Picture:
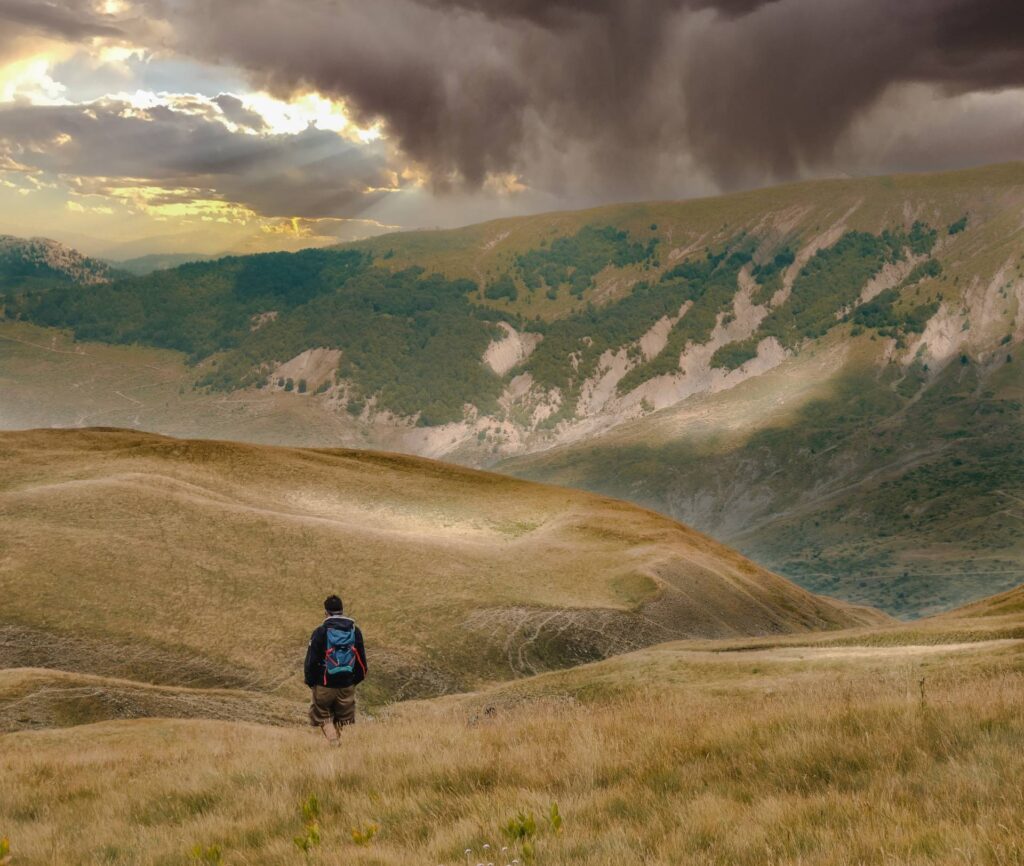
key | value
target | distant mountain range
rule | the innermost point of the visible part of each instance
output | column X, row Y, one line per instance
column 142, row 265
column 826, row 375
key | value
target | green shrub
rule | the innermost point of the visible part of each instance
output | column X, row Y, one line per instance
column 520, row 827
column 364, row 835
column 925, row 270
column 733, row 355
column 503, row 287
column 711, row 286
column 211, row 855
column 576, row 260
column 309, row 838
column 769, row 275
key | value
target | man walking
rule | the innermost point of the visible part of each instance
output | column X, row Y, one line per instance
column 335, row 665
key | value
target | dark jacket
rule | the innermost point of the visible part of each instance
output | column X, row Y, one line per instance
column 315, row 673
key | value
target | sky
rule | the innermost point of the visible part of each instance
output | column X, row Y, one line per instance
column 130, row 127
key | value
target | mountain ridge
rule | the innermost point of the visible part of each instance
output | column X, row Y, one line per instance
column 30, row 261
column 613, row 348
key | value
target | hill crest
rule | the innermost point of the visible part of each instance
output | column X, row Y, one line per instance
column 38, row 259
column 457, row 576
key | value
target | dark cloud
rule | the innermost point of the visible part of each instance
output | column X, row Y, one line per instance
column 782, row 86
column 108, row 146
column 642, row 94
column 563, row 12
column 584, row 100
column 70, row 20
column 238, row 114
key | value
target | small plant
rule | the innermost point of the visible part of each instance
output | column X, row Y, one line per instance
column 5, row 850
column 555, row 819
column 520, row 827
column 310, row 836
column 364, row 836
column 212, row 855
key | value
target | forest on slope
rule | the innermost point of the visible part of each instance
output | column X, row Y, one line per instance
column 826, row 374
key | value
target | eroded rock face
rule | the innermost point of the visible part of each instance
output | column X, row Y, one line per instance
column 512, row 349
column 529, row 399
column 316, row 366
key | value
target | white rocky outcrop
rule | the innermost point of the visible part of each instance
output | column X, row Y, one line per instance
column 696, row 374
column 316, row 366
column 988, row 312
column 510, row 350
column 891, row 275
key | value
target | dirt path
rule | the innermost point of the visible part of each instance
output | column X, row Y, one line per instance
column 51, row 348
column 833, row 653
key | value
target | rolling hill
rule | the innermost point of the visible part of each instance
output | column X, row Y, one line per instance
column 826, row 375
column 203, row 564
column 831, row 749
column 158, row 593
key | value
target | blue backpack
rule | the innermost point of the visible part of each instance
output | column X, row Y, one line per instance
column 340, row 655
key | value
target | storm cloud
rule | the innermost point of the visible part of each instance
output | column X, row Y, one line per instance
column 111, row 148
column 72, row 19
column 502, row 106
column 741, row 91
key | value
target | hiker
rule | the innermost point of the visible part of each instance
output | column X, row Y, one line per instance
column 335, row 665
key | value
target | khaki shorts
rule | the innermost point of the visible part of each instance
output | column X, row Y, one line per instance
column 333, row 705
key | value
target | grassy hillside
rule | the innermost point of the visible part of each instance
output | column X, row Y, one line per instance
column 868, row 485
column 39, row 698
column 49, row 379
column 827, row 375
column 863, row 748
column 1005, row 605
column 412, row 315
column 167, row 552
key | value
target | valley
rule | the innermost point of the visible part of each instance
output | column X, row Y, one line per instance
column 461, row 433
column 825, row 375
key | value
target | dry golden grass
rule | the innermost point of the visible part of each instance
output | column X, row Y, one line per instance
column 1007, row 606
column 38, row 698
column 192, row 563
column 47, row 379
column 485, row 250
column 205, row 564
column 666, row 756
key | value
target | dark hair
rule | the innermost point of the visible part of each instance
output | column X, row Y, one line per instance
column 332, row 604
